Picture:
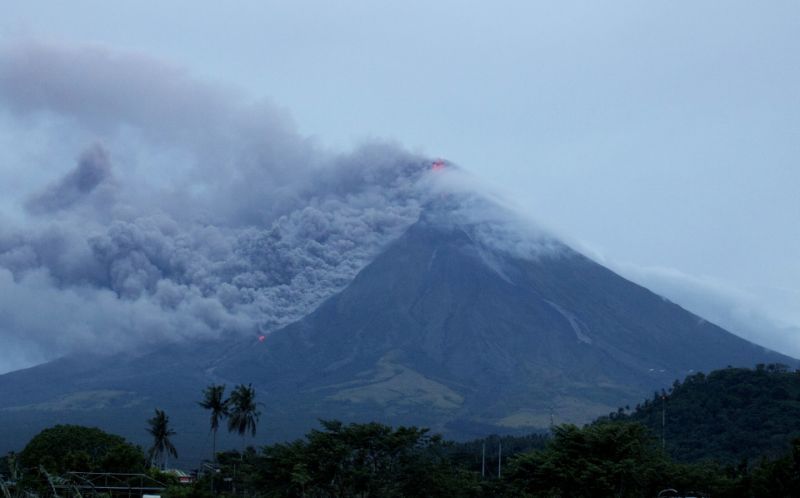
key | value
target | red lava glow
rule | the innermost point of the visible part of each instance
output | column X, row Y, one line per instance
column 261, row 338
column 438, row 165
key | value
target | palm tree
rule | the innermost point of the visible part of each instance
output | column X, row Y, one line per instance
column 213, row 400
column 243, row 416
column 162, row 446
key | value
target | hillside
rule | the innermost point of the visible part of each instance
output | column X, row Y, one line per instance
column 728, row 415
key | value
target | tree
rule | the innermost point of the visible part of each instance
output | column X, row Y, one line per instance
column 161, row 432
column 9, row 466
column 608, row 459
column 75, row 448
column 362, row 460
column 728, row 415
column 213, row 400
column 780, row 477
column 243, row 416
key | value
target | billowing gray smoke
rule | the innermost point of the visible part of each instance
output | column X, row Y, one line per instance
column 241, row 225
column 93, row 169
column 189, row 211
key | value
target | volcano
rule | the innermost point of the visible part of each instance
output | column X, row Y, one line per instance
column 452, row 326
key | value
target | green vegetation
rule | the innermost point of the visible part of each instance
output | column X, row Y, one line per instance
column 214, row 401
column 600, row 460
column 241, row 410
column 610, row 458
column 74, row 448
column 244, row 414
column 730, row 415
column 66, row 448
column 483, row 455
column 733, row 433
column 359, row 460
column 161, row 432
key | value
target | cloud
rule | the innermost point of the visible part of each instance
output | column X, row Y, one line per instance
column 105, row 90
column 459, row 200
column 751, row 315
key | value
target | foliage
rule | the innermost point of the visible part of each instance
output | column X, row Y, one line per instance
column 359, row 460
column 601, row 460
column 244, row 414
column 183, row 491
column 9, row 466
column 612, row 458
column 484, row 452
column 606, row 459
column 623, row 459
column 731, row 433
column 161, row 432
column 214, row 401
column 75, row 448
column 730, row 415
column 779, row 477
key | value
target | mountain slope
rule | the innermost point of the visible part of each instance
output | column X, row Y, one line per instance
column 443, row 329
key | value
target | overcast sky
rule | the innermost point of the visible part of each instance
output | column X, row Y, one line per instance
column 662, row 138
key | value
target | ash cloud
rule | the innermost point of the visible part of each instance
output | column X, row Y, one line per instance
column 92, row 171
column 201, row 214
column 249, row 229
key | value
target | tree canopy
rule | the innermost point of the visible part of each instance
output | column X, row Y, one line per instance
column 76, row 448
column 244, row 414
column 599, row 460
column 215, row 402
column 162, row 445
column 730, row 415
column 359, row 460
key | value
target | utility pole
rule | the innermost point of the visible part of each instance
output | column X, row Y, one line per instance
column 483, row 460
column 499, row 459
column 663, row 421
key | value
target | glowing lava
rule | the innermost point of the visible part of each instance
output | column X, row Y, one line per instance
column 438, row 165
column 261, row 338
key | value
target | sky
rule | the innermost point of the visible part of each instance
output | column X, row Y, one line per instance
column 661, row 138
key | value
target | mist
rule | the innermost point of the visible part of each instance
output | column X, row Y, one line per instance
column 759, row 316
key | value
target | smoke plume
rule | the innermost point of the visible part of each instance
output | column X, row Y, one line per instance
column 190, row 212
column 92, row 171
